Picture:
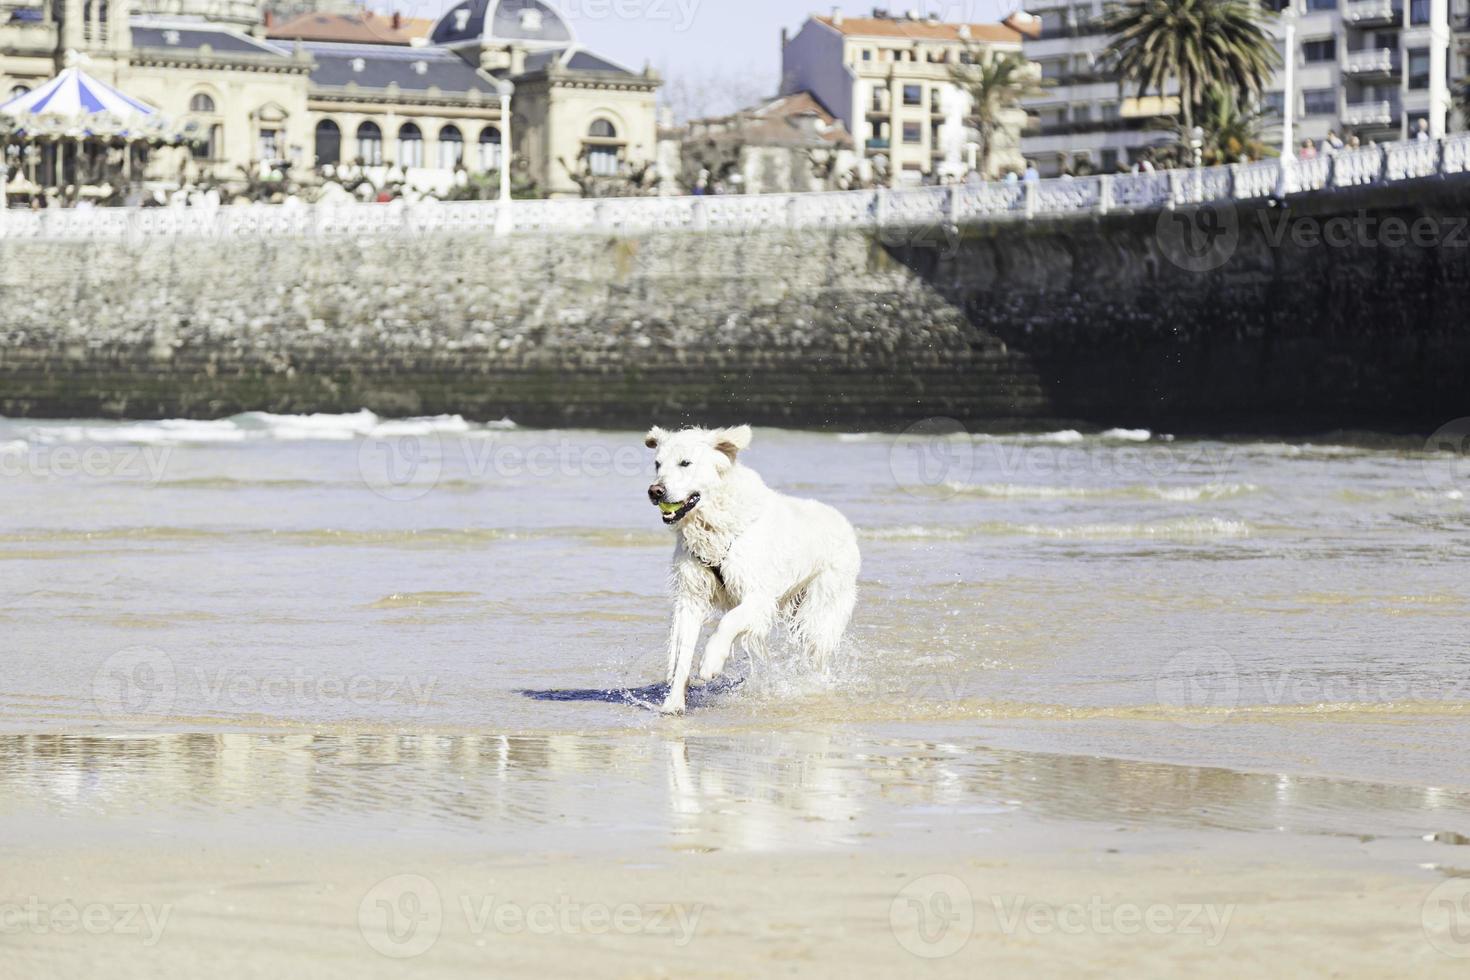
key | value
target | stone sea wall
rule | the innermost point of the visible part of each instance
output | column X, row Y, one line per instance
column 1079, row 321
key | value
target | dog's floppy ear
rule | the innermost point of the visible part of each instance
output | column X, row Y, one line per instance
column 731, row 442
column 654, row 437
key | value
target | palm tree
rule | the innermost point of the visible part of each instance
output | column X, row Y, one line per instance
column 1232, row 129
column 996, row 85
column 1193, row 43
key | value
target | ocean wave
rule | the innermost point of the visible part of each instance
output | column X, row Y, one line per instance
column 1128, row 435
column 253, row 426
column 1189, row 529
column 1179, row 494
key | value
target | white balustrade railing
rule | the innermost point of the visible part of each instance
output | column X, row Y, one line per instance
column 1369, row 61
column 909, row 207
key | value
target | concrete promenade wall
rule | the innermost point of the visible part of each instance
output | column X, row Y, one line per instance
column 1085, row 320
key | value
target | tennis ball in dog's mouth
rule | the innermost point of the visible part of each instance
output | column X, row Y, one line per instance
column 669, row 508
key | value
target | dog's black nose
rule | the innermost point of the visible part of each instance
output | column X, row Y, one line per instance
column 656, row 493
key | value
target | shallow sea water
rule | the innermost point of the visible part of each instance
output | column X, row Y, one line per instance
column 320, row 618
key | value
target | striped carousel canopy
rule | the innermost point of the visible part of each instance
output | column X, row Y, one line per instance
column 76, row 95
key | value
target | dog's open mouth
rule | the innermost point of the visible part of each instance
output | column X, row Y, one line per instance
column 673, row 513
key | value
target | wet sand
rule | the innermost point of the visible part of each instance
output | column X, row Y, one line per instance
column 321, row 912
column 1112, row 704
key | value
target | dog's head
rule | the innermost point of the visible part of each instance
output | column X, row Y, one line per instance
column 690, row 465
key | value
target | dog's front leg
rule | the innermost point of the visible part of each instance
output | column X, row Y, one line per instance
column 683, row 638
column 754, row 615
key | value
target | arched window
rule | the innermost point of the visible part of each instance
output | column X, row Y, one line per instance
column 451, row 147
column 328, row 143
column 604, row 152
column 201, row 102
column 489, row 149
column 410, row 146
column 370, row 144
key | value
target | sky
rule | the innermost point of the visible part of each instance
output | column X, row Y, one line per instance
column 715, row 55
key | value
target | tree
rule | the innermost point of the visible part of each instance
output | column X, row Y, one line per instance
column 1194, row 43
column 1231, row 129
column 996, row 85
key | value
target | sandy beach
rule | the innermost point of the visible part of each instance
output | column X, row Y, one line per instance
column 1111, row 704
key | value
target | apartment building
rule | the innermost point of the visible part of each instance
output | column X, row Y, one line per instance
column 1361, row 66
column 888, row 78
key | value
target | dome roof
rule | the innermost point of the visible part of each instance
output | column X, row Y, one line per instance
column 529, row 22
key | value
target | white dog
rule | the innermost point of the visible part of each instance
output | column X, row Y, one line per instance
column 748, row 552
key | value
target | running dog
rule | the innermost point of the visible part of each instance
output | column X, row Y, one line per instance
column 743, row 550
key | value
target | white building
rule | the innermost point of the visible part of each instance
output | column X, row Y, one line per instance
column 1362, row 66
column 889, row 80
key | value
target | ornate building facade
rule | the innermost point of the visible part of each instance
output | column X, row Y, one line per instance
column 422, row 102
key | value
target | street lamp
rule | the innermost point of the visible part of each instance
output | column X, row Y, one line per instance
column 505, row 88
column 1288, row 107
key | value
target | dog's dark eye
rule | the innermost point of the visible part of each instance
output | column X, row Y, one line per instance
column 684, row 462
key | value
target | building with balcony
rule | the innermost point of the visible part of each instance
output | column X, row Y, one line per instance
column 400, row 99
column 1361, row 65
column 889, row 80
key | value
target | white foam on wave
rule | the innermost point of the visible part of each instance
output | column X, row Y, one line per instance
column 1187, row 529
column 14, row 446
column 1181, row 494
column 1128, row 435
column 254, row 426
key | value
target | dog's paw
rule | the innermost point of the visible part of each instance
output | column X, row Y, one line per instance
column 671, row 708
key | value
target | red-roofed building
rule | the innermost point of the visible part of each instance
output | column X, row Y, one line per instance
column 889, row 80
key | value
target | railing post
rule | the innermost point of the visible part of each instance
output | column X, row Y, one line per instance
column 950, row 206
column 1105, row 194
column 880, row 208
column 699, row 220
column 1030, row 193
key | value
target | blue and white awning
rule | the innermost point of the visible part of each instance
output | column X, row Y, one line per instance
column 76, row 95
